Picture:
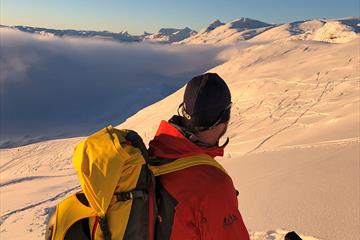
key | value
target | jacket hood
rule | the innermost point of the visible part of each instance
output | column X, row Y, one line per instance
column 170, row 143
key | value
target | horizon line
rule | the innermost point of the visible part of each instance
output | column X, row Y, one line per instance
column 197, row 30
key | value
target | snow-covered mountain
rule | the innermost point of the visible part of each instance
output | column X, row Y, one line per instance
column 216, row 23
column 121, row 36
column 331, row 31
column 247, row 23
column 170, row 35
column 219, row 33
column 242, row 29
column 326, row 30
column 165, row 35
column 294, row 136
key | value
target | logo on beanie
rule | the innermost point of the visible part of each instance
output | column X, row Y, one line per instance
column 186, row 115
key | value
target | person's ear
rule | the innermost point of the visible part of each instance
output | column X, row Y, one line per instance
column 222, row 127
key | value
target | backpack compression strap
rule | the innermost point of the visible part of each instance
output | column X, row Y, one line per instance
column 104, row 226
column 186, row 162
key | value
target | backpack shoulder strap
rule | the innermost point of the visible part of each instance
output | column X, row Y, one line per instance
column 182, row 163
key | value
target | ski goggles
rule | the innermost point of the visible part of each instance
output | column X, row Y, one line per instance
column 182, row 112
column 222, row 115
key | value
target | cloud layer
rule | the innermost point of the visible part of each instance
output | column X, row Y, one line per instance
column 58, row 87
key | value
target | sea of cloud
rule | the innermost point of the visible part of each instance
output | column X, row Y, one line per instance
column 60, row 87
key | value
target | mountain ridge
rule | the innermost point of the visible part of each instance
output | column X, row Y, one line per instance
column 217, row 32
column 246, row 29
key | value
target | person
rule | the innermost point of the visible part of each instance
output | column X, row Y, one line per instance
column 202, row 200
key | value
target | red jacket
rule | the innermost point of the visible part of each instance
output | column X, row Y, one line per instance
column 206, row 204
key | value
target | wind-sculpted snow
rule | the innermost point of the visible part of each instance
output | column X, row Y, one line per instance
column 58, row 87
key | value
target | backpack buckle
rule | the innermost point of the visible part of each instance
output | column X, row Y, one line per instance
column 124, row 196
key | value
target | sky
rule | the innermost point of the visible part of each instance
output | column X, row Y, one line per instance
column 137, row 16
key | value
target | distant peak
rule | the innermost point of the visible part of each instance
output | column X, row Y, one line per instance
column 214, row 24
column 168, row 31
column 243, row 19
column 247, row 23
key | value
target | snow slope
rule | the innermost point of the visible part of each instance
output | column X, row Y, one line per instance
column 331, row 31
column 294, row 135
column 325, row 30
column 293, row 152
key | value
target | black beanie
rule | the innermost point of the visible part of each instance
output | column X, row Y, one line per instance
column 207, row 101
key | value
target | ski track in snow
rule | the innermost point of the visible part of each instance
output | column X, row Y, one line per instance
column 296, row 120
column 340, row 142
column 31, row 206
column 29, row 178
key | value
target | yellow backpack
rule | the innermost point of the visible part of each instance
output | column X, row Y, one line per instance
column 116, row 180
